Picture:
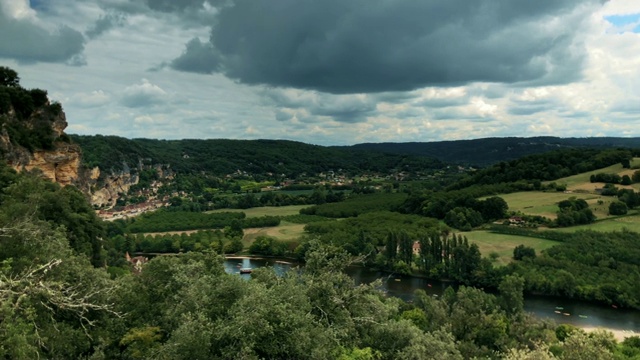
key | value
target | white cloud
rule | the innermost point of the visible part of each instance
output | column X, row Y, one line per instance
column 18, row 9
column 88, row 100
column 144, row 94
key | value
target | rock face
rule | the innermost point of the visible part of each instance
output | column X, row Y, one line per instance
column 60, row 164
column 111, row 187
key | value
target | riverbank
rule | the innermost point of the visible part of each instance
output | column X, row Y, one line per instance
column 619, row 335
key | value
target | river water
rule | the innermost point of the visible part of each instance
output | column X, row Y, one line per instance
column 561, row 310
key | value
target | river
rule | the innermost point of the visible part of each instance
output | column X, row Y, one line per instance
column 578, row 313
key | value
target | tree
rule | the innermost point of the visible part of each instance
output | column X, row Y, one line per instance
column 580, row 345
column 50, row 299
column 618, row 208
column 494, row 208
column 234, row 230
column 8, row 77
column 629, row 197
column 626, row 163
column 520, row 252
column 511, row 294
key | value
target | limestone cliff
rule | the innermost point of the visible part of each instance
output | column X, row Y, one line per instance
column 59, row 163
column 111, row 186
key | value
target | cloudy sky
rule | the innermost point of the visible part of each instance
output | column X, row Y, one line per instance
column 332, row 71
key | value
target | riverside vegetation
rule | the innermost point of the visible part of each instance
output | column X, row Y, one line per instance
column 66, row 290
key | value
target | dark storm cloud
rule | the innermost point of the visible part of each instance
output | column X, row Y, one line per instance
column 340, row 108
column 104, row 24
column 24, row 41
column 363, row 46
column 198, row 57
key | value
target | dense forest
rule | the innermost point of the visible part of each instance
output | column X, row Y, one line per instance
column 489, row 151
column 222, row 156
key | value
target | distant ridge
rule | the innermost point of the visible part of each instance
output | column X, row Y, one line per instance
column 487, row 151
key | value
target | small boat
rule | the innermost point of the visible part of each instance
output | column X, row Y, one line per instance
column 559, row 308
column 557, row 312
column 246, row 270
column 429, row 285
column 566, row 314
column 583, row 316
column 614, row 306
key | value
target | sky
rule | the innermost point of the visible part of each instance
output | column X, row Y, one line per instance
column 331, row 72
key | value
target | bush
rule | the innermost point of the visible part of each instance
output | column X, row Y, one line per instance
column 520, row 252
column 618, row 208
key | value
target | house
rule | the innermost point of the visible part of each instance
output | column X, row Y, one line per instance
column 136, row 261
column 416, row 248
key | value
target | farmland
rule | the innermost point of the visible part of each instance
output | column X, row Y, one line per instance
column 503, row 244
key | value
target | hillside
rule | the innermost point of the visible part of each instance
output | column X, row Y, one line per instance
column 223, row 156
column 483, row 152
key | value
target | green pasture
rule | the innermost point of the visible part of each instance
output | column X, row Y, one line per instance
column 503, row 244
column 631, row 222
column 266, row 210
column 545, row 203
column 582, row 181
column 286, row 231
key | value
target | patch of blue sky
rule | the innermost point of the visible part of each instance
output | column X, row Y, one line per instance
column 626, row 22
column 38, row 4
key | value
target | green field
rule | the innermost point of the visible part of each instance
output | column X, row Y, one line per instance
column 267, row 210
column 503, row 244
column 630, row 222
column 286, row 231
column 581, row 182
column 545, row 203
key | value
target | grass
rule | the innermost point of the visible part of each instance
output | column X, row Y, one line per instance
column 503, row 244
column 631, row 222
column 267, row 210
column 581, row 182
column 545, row 203
column 286, row 231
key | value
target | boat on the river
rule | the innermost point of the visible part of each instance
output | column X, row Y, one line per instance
column 246, row 270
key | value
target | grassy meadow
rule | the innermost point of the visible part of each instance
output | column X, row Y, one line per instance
column 542, row 203
column 503, row 244
column 631, row 222
column 581, row 182
column 266, row 210
column 286, row 231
